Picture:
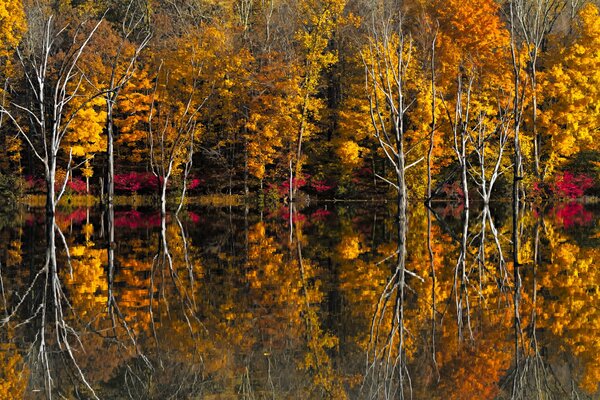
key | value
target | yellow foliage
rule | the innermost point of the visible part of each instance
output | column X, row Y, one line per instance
column 13, row 375
column 88, row 284
column 571, row 91
column 12, row 25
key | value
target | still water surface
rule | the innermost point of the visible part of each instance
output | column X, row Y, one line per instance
column 232, row 304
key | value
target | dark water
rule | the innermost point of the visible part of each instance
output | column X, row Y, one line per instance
column 232, row 304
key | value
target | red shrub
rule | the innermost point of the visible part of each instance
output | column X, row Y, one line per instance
column 570, row 186
column 77, row 185
column 297, row 183
column 137, row 181
column 321, row 186
column 194, row 183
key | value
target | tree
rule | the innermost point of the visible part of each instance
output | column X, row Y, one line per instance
column 534, row 20
column 181, row 90
column 52, row 82
column 318, row 18
column 121, row 66
column 12, row 26
column 570, row 107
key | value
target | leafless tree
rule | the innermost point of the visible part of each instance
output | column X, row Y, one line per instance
column 484, row 140
column 531, row 21
column 122, row 66
column 171, row 132
column 386, row 63
column 49, row 58
column 55, row 337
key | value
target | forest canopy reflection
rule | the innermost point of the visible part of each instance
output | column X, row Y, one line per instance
column 230, row 307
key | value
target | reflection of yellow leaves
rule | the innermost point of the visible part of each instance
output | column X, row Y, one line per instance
column 88, row 285
column 349, row 247
column 571, row 310
column 14, row 253
column 13, row 376
column 88, row 231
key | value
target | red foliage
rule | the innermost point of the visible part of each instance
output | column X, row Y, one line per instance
column 571, row 186
column 320, row 215
column 573, row 214
column 453, row 190
column 195, row 218
column 195, row 183
column 297, row 183
column 137, row 181
column 77, row 185
column 321, row 186
column 134, row 219
column 34, row 184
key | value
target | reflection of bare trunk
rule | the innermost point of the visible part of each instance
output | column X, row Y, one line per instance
column 433, row 283
column 517, row 284
column 461, row 282
column 188, row 263
column 387, row 373
column 315, row 336
column 165, row 270
column 531, row 376
column 486, row 219
column 54, row 336
column 110, row 251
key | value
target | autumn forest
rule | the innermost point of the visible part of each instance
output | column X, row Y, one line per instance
column 321, row 199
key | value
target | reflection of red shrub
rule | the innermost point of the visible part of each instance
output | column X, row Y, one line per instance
column 573, row 214
column 320, row 215
column 284, row 214
column 134, row 219
column 195, row 218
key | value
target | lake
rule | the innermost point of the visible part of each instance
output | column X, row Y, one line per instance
column 232, row 303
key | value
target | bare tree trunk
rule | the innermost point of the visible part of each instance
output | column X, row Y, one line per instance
column 163, row 198
column 50, row 188
column 110, row 172
column 433, row 119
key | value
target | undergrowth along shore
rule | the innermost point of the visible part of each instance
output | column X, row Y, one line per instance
column 135, row 200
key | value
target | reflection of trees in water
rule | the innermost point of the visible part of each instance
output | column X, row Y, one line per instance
column 235, row 309
column 42, row 312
